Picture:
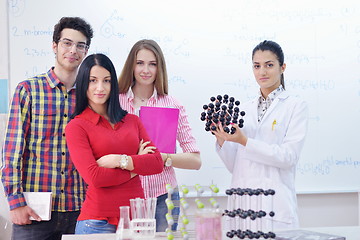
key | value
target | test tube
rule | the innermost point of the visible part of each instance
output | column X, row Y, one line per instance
column 139, row 209
column 133, row 209
column 154, row 201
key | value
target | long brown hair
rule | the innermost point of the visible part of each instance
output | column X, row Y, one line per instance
column 127, row 79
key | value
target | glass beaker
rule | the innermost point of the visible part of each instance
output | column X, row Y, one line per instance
column 208, row 224
column 123, row 230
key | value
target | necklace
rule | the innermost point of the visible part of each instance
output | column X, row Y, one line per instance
column 142, row 99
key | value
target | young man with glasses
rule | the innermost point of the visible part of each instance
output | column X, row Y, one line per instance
column 35, row 156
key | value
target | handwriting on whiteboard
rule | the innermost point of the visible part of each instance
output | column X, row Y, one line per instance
column 326, row 166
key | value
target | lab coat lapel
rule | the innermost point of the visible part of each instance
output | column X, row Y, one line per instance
column 276, row 101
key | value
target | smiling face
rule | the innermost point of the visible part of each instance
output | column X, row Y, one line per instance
column 145, row 67
column 69, row 59
column 99, row 88
column 267, row 71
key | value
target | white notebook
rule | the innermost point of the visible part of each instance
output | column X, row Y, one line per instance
column 40, row 202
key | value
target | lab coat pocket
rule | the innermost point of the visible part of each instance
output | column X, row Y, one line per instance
column 277, row 130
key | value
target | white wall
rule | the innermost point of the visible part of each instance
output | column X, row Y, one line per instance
column 4, row 58
column 328, row 209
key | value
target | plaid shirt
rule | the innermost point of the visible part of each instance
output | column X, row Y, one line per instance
column 35, row 156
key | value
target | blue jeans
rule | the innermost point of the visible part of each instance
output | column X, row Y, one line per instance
column 94, row 226
column 161, row 210
column 60, row 223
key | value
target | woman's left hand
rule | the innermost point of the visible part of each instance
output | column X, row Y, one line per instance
column 237, row 137
column 144, row 149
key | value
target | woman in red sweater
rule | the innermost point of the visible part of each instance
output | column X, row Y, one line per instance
column 109, row 147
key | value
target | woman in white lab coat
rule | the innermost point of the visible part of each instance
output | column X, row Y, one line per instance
column 264, row 153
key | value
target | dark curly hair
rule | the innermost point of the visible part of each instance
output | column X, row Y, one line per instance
column 75, row 23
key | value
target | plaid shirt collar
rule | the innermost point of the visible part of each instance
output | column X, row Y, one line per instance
column 53, row 80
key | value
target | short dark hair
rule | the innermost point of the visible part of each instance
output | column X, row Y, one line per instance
column 275, row 48
column 114, row 111
column 75, row 23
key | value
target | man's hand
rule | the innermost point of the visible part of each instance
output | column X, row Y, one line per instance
column 21, row 215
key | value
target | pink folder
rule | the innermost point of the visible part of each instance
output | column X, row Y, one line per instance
column 161, row 124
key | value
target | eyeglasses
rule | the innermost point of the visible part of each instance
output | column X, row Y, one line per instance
column 67, row 44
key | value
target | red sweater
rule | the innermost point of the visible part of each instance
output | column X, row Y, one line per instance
column 89, row 137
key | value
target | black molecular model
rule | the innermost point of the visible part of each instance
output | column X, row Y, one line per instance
column 223, row 109
column 240, row 216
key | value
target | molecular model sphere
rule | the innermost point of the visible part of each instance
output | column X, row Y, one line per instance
column 224, row 110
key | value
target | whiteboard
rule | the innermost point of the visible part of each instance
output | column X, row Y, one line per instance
column 207, row 46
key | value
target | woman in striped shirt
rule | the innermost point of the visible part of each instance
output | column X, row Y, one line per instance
column 144, row 82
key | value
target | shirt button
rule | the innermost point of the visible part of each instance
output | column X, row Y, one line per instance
column 65, row 115
column 62, row 191
column 63, row 134
column 63, row 153
column 62, row 172
column 65, row 96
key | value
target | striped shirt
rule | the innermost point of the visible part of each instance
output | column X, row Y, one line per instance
column 154, row 185
column 35, row 156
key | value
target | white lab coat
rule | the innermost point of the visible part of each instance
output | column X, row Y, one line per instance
column 269, row 159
